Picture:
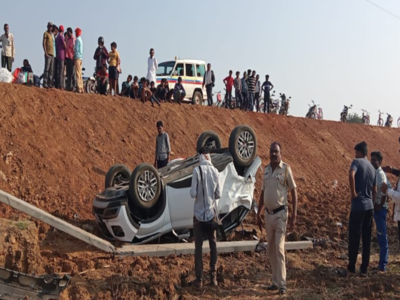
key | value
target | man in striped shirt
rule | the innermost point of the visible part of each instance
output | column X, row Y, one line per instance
column 238, row 90
column 251, row 83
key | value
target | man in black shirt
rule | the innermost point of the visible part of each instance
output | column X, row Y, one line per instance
column 161, row 91
column 126, row 87
column 267, row 87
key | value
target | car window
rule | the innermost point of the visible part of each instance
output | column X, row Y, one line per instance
column 189, row 70
column 200, row 69
column 179, row 71
column 165, row 68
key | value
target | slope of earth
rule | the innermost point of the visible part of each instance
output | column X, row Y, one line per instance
column 56, row 148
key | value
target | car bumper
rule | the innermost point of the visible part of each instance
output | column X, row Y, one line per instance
column 114, row 221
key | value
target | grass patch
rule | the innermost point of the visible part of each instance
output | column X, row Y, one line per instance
column 22, row 225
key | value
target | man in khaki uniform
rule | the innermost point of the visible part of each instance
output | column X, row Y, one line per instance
column 277, row 181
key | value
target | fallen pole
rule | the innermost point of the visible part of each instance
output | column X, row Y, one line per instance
column 55, row 222
column 188, row 248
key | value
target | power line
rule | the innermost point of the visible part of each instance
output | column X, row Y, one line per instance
column 383, row 9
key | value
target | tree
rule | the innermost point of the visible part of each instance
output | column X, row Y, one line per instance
column 354, row 118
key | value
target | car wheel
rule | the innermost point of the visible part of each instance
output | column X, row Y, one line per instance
column 243, row 145
column 117, row 174
column 145, row 186
column 197, row 98
column 208, row 139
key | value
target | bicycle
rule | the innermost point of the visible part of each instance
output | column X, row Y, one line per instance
column 365, row 117
column 380, row 120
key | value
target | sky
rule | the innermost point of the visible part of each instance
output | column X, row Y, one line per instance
column 335, row 52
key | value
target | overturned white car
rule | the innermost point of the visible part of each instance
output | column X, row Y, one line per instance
column 146, row 204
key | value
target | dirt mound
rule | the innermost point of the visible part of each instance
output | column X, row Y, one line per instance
column 19, row 248
column 56, row 148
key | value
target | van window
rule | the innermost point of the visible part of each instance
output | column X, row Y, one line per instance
column 189, row 70
column 179, row 70
column 165, row 68
column 200, row 69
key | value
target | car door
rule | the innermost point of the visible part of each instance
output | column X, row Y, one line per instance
column 180, row 203
column 189, row 82
column 176, row 73
column 201, row 70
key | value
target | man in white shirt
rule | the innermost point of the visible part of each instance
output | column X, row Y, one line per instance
column 209, row 82
column 8, row 49
column 152, row 65
column 381, row 210
column 205, row 189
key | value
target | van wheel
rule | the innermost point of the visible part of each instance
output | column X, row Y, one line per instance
column 243, row 145
column 116, row 175
column 208, row 139
column 145, row 186
column 197, row 98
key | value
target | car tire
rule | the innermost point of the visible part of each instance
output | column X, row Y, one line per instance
column 197, row 98
column 145, row 186
column 243, row 145
column 208, row 139
column 117, row 174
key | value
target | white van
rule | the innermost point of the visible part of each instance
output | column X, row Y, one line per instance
column 192, row 73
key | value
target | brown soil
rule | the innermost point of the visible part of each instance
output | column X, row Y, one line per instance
column 56, row 148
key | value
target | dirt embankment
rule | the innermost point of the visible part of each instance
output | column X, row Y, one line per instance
column 56, row 148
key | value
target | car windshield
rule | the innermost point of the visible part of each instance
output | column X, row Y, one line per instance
column 165, row 68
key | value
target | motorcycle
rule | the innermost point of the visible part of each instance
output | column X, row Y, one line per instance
column 365, row 117
column 219, row 99
column 222, row 103
column 91, row 84
column 284, row 105
column 273, row 104
column 380, row 120
column 344, row 113
column 389, row 121
column 315, row 112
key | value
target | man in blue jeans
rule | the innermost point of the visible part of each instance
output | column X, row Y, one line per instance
column 362, row 182
column 380, row 210
column 163, row 147
column 209, row 82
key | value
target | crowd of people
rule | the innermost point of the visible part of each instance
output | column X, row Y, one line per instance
column 146, row 90
column 63, row 55
column 370, row 191
column 248, row 91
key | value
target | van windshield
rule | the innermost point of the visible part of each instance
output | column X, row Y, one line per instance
column 165, row 68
